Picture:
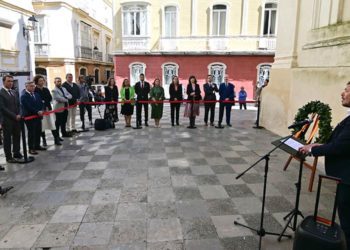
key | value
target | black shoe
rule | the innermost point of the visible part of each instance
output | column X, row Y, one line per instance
column 11, row 160
column 60, row 139
column 66, row 135
column 177, row 124
column 172, row 124
column 5, row 190
column 229, row 125
column 2, row 168
column 40, row 148
column 146, row 124
column 57, row 142
column 74, row 131
column 18, row 156
column 219, row 126
column 32, row 152
column 212, row 124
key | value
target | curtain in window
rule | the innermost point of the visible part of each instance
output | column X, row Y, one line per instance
column 219, row 20
column 170, row 70
column 217, row 71
column 136, row 70
column 135, row 21
column 170, row 21
column 40, row 31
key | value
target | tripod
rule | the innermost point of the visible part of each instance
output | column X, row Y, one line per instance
column 261, row 230
column 295, row 212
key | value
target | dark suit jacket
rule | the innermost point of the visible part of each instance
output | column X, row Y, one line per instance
column 210, row 91
column 9, row 106
column 74, row 91
column 228, row 92
column 196, row 90
column 175, row 93
column 142, row 93
column 337, row 152
column 30, row 105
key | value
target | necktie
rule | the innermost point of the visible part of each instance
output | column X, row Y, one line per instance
column 10, row 93
column 142, row 85
column 32, row 96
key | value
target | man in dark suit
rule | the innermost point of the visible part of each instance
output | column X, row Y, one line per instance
column 74, row 90
column 209, row 90
column 32, row 105
column 227, row 96
column 9, row 105
column 142, row 89
column 337, row 163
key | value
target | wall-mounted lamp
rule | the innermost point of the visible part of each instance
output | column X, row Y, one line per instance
column 30, row 26
column 95, row 48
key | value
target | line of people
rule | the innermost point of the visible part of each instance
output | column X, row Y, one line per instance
column 142, row 92
column 36, row 99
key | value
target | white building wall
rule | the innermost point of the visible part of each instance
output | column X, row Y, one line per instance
column 18, row 54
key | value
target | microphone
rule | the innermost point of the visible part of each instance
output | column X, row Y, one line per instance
column 301, row 123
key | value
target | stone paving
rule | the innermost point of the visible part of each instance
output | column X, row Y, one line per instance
column 153, row 188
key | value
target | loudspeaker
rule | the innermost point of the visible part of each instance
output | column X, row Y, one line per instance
column 318, row 233
column 315, row 235
column 102, row 124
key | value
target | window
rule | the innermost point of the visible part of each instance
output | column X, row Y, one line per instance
column 40, row 31
column 108, row 74
column 219, row 20
column 170, row 19
column 85, row 35
column 135, row 70
column 169, row 70
column 134, row 20
column 217, row 70
column 263, row 73
column 82, row 72
column 97, row 76
column 270, row 16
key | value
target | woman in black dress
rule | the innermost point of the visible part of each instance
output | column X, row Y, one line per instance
column 127, row 95
column 194, row 95
column 111, row 95
column 175, row 91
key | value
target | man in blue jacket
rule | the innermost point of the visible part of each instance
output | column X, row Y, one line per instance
column 337, row 162
column 227, row 96
column 32, row 105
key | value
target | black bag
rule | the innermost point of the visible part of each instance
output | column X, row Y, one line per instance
column 102, row 124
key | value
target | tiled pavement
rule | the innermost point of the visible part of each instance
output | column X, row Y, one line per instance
column 167, row 188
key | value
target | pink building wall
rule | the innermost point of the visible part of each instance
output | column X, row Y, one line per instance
column 242, row 70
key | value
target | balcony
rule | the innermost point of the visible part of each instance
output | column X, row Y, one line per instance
column 41, row 49
column 84, row 52
column 217, row 43
column 168, row 43
column 97, row 55
column 109, row 58
column 135, row 43
column 267, row 43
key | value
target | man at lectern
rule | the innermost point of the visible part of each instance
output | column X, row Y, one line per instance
column 337, row 162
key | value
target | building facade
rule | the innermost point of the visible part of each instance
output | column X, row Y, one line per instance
column 311, row 62
column 16, row 41
column 74, row 37
column 195, row 37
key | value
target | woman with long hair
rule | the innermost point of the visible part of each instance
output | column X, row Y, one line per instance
column 48, row 122
column 111, row 95
column 194, row 95
column 127, row 95
column 157, row 94
column 175, row 91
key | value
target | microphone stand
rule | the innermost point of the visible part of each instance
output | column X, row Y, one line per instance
column 261, row 230
column 257, row 126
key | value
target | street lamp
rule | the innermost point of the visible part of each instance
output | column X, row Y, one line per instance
column 30, row 26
